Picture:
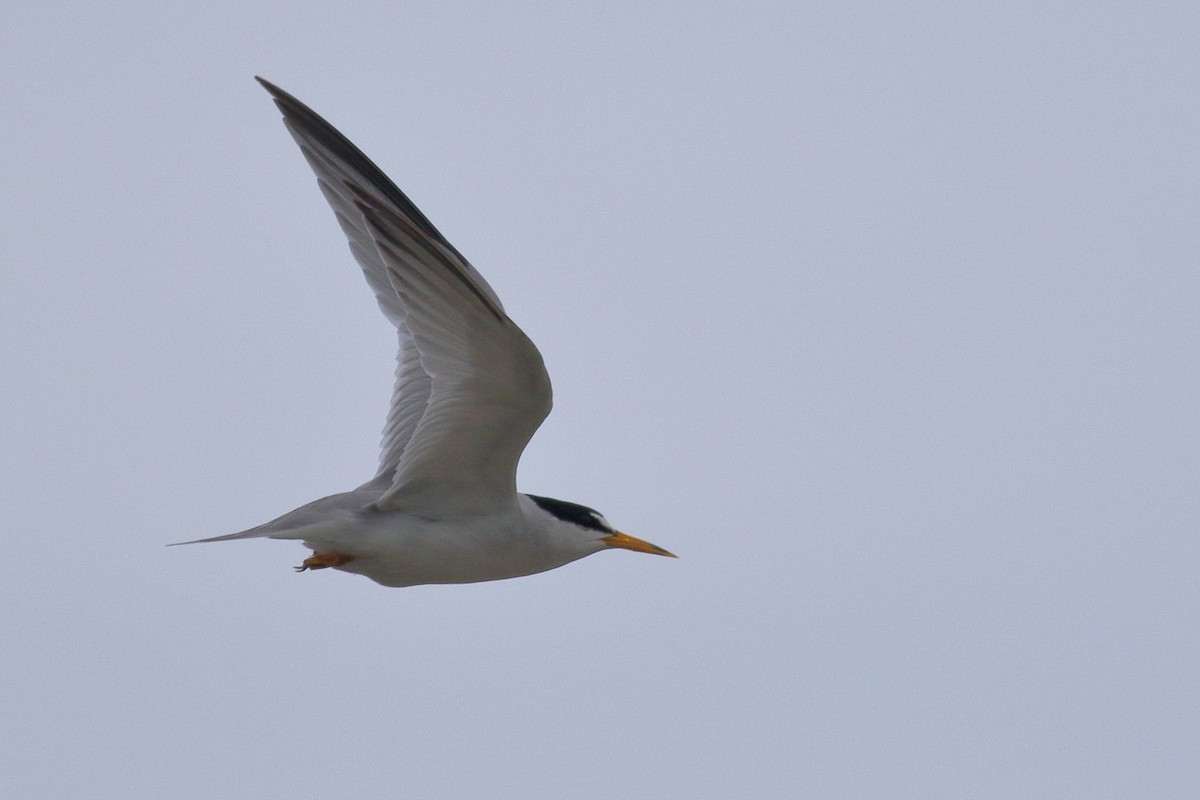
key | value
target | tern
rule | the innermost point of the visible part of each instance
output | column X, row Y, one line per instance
column 470, row 391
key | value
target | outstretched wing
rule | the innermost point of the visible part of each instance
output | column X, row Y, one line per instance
column 471, row 388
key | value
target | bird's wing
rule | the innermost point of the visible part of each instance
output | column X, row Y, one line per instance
column 471, row 388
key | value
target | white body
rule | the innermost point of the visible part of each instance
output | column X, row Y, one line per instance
column 470, row 391
column 396, row 548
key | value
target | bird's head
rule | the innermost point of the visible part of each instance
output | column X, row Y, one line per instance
column 595, row 527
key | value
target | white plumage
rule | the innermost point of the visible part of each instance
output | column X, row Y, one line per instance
column 470, row 391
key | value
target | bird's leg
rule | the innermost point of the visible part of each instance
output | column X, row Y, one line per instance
column 320, row 560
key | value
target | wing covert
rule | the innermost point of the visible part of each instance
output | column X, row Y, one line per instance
column 471, row 388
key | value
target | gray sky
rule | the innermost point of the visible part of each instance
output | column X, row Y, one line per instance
column 883, row 317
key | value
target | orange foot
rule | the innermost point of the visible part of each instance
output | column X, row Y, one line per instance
column 323, row 560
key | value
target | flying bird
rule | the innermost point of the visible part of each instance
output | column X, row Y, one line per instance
column 470, row 391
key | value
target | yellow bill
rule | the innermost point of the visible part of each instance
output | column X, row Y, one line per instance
column 627, row 542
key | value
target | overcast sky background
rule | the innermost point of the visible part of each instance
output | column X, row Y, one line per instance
column 882, row 316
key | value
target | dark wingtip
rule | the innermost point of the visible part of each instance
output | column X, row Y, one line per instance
column 310, row 124
column 284, row 100
column 270, row 87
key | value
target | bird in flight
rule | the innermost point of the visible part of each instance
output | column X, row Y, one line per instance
column 470, row 391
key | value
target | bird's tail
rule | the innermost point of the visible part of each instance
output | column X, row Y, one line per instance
column 256, row 532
